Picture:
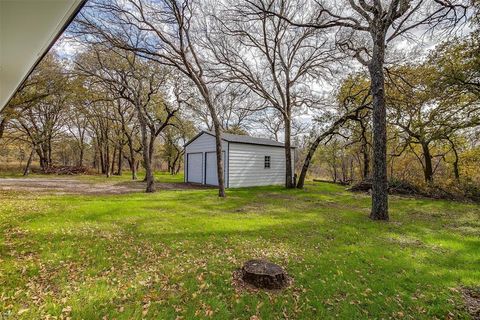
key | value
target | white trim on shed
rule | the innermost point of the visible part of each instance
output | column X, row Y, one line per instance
column 248, row 161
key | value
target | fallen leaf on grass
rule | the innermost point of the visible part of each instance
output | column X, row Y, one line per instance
column 209, row 312
column 22, row 311
column 67, row 309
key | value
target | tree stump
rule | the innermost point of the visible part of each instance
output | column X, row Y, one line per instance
column 263, row 274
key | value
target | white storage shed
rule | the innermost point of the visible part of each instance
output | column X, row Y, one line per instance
column 248, row 161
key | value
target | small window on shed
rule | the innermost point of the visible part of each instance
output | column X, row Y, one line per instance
column 267, row 162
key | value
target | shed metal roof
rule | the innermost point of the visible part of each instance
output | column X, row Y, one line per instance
column 236, row 138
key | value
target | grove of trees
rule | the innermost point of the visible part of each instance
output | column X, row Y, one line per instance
column 340, row 80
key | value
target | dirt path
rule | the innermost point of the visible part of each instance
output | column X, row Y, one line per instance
column 77, row 186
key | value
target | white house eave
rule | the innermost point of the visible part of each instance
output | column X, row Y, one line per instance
column 28, row 29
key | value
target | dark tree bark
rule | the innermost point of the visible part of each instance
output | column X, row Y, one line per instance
column 179, row 165
column 3, row 124
column 102, row 161
column 42, row 158
column 81, row 156
column 26, row 171
column 106, row 162
column 120, row 161
column 288, row 153
column 218, row 147
column 379, row 176
column 456, row 170
column 95, row 159
column 133, row 167
column 306, row 163
column 114, row 159
column 149, row 178
column 427, row 158
column 174, row 163
column 49, row 148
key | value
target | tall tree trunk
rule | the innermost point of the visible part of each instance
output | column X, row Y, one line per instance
column 102, row 158
column 82, row 151
column 120, row 161
column 41, row 151
column 29, row 162
column 306, row 163
column 220, row 170
column 428, row 168
column 95, row 159
column 151, row 149
column 218, row 133
column 174, row 162
column 456, row 170
column 42, row 160
column 288, row 152
column 179, row 164
column 49, row 152
column 106, row 163
column 379, row 177
column 133, row 167
column 114, row 159
column 146, row 153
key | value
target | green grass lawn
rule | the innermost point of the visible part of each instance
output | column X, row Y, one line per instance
column 170, row 255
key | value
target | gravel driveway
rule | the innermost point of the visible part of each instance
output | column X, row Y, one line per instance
column 79, row 186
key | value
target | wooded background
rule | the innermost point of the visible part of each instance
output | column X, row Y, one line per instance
column 365, row 92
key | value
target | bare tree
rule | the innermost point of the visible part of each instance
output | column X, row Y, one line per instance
column 98, row 115
column 77, row 121
column 275, row 60
column 130, row 129
column 164, row 32
column 127, row 77
column 41, row 104
column 235, row 107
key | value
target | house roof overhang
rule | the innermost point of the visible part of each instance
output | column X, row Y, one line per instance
column 28, row 29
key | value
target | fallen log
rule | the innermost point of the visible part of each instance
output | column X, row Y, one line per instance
column 63, row 170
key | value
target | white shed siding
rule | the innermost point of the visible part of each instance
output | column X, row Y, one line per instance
column 246, row 163
column 203, row 144
column 211, row 176
column 194, row 170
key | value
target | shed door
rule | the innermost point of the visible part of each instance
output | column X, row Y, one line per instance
column 194, row 167
column 211, row 177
